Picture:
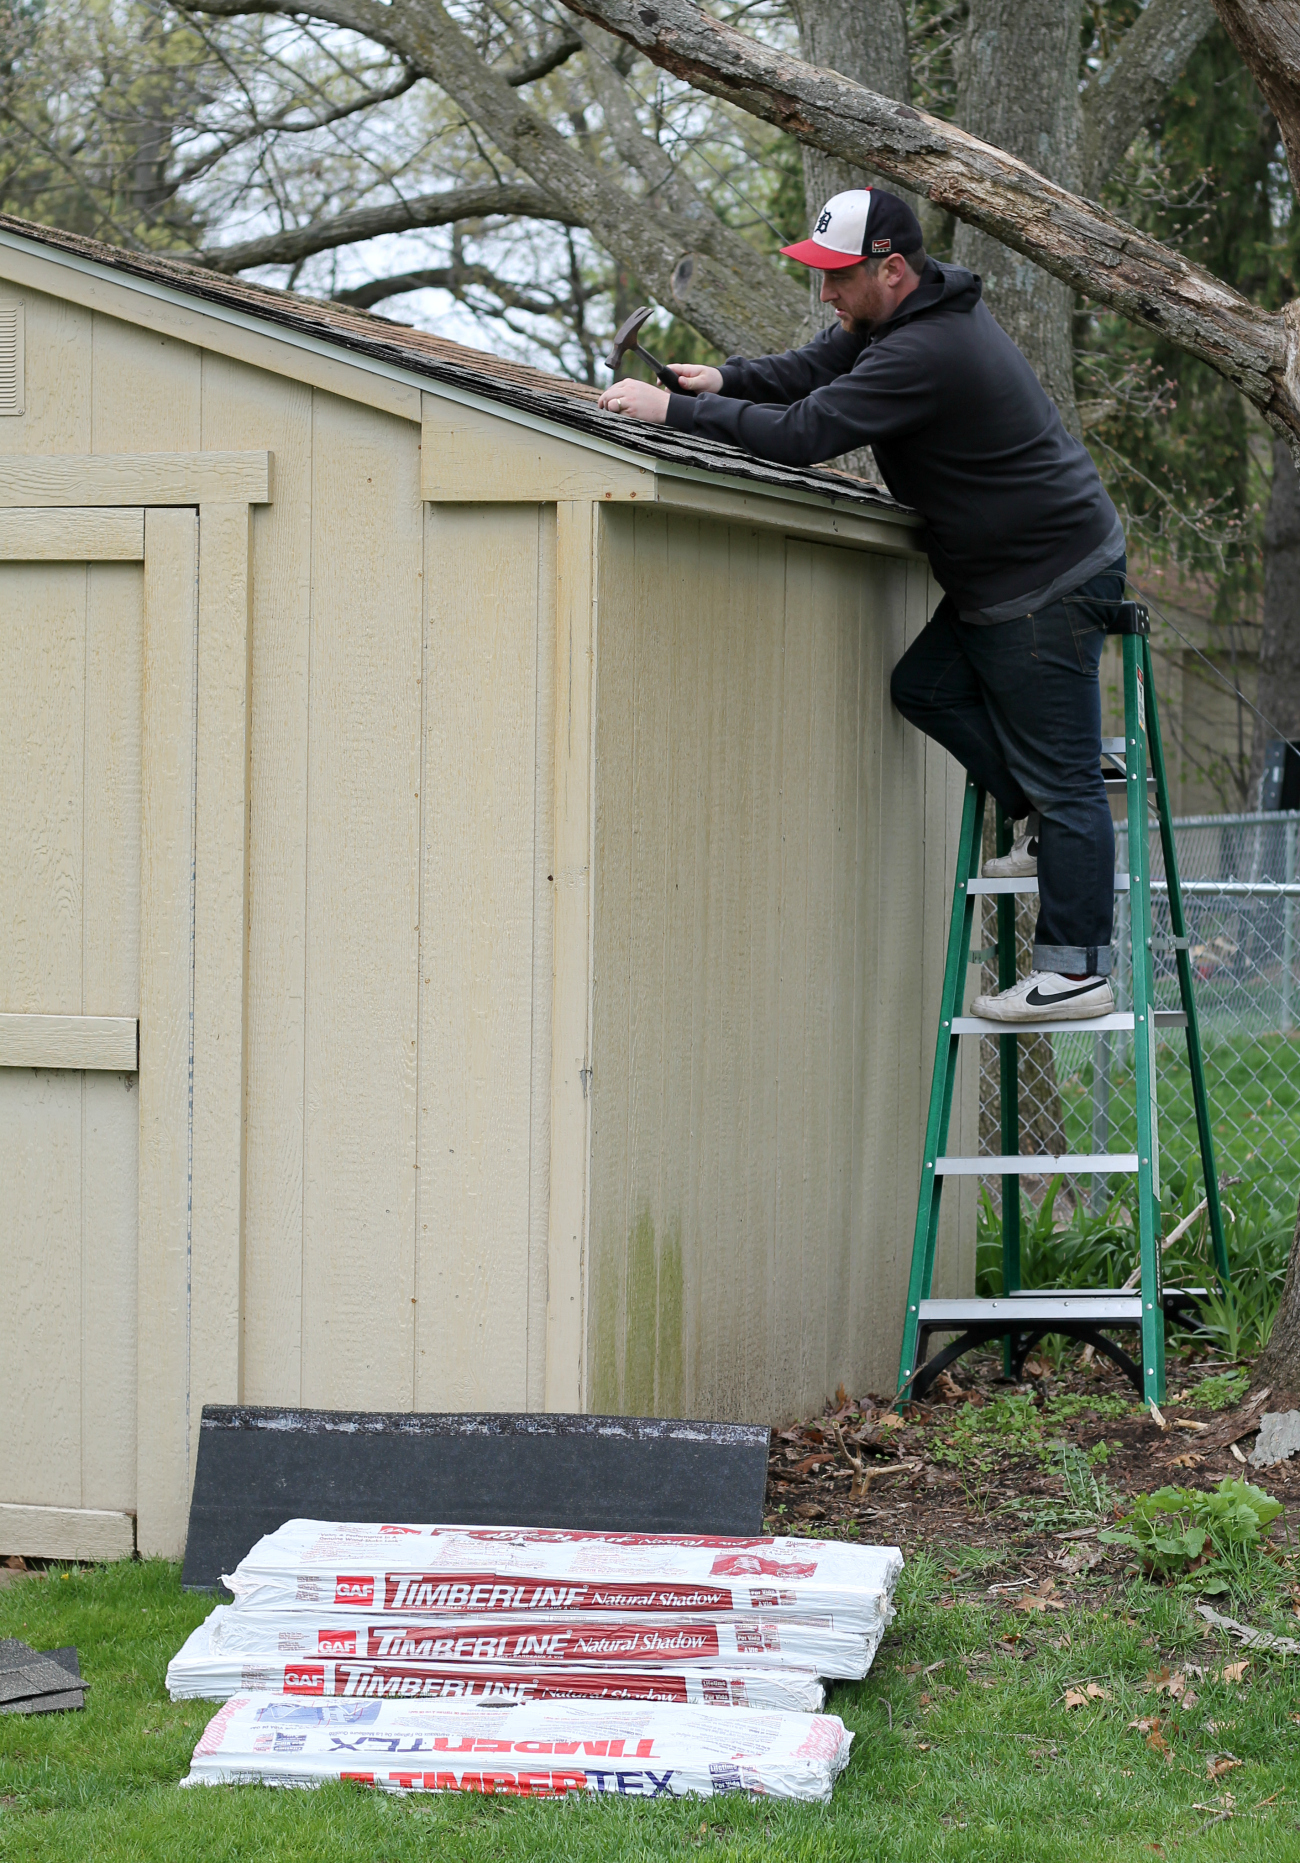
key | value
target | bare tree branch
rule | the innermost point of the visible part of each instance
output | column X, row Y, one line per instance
column 729, row 305
column 454, row 278
column 345, row 229
column 1127, row 92
column 1092, row 250
column 279, row 124
column 544, row 63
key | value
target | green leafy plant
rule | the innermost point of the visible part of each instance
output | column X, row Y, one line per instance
column 1180, row 1533
column 1223, row 1390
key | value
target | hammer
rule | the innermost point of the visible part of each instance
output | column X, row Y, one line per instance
column 625, row 338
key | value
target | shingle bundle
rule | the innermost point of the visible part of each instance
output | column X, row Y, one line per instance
column 465, row 1620
column 539, row 1750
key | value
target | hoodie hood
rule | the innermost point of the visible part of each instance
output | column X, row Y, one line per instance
column 949, row 285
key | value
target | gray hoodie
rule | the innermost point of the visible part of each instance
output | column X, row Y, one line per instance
column 961, row 429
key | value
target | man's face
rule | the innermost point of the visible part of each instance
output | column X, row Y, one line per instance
column 864, row 299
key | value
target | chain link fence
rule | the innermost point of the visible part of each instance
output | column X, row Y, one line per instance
column 1241, row 897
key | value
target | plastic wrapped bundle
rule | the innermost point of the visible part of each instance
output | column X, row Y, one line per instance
column 483, row 1571
column 538, row 1750
column 198, row 1672
column 551, row 1637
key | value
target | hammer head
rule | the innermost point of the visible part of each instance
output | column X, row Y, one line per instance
column 627, row 336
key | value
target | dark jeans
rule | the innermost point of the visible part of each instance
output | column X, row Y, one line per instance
column 1019, row 704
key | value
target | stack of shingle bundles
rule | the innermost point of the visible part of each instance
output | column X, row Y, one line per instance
column 573, row 1622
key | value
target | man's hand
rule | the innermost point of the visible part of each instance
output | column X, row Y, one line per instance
column 699, row 378
column 642, row 400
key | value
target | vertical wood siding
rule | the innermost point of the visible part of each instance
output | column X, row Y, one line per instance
column 759, row 1064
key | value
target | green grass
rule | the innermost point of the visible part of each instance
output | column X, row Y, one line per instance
column 982, row 1760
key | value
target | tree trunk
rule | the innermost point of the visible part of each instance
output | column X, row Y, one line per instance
column 1278, row 696
column 1279, row 1363
column 1020, row 90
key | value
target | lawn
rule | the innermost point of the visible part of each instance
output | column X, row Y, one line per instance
column 965, row 1747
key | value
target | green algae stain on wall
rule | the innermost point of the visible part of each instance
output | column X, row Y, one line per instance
column 671, row 1343
column 602, row 1393
column 654, row 1320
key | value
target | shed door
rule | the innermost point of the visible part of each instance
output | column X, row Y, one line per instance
column 72, row 666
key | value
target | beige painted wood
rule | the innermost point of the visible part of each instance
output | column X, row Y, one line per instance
column 71, row 536
column 170, row 315
column 68, row 1041
column 110, row 985
column 363, row 874
column 136, row 479
column 793, row 514
column 470, row 456
column 220, row 950
column 65, row 1532
column 543, row 977
column 57, row 335
column 575, row 681
column 243, row 406
column 164, row 1422
column 756, row 1051
column 477, row 972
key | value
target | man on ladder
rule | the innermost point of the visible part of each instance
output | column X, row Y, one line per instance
column 1022, row 537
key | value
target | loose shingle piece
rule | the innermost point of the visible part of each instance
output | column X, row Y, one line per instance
column 37, row 1681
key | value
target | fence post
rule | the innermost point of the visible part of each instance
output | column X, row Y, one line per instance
column 1288, row 926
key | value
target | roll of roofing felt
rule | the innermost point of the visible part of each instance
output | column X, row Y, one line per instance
column 551, row 1637
column 419, row 1570
column 196, row 1672
column 539, row 1750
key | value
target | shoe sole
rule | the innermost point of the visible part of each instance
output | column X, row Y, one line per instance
column 1068, row 1012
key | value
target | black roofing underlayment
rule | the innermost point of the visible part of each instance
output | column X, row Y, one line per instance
column 259, row 1466
column 534, row 391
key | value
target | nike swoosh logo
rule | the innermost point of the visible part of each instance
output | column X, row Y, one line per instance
column 1036, row 1001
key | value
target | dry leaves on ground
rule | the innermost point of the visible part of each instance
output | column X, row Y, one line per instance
column 1041, row 1599
column 1150, row 1726
column 1080, row 1697
column 1216, row 1768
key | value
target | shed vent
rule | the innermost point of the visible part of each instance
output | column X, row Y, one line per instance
column 11, row 359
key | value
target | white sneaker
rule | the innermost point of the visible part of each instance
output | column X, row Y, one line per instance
column 1022, row 862
column 1047, row 996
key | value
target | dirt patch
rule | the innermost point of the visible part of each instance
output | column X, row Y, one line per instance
column 932, row 1477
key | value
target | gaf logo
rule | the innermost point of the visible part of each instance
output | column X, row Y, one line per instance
column 354, row 1590
column 757, row 1565
column 414, row 1530
column 304, row 1678
column 337, row 1642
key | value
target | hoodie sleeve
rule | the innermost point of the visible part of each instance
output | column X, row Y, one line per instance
column 892, row 389
column 793, row 374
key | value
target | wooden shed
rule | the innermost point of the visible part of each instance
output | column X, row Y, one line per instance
column 470, row 919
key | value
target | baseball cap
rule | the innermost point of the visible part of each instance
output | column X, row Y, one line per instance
column 864, row 223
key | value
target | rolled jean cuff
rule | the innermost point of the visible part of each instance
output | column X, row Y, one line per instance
column 1074, row 960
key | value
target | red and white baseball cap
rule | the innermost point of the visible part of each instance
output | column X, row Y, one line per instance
column 864, row 223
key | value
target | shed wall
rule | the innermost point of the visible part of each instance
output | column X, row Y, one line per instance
column 773, row 848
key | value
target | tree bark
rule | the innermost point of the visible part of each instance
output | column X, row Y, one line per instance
column 1128, row 90
column 1020, row 90
column 1075, row 240
column 1278, row 695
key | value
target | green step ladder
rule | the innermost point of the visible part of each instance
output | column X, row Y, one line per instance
column 1021, row 1317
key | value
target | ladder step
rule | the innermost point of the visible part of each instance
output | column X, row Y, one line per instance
column 1044, row 1164
column 1027, row 886
column 1118, row 1019
column 985, row 1025
column 1030, row 1308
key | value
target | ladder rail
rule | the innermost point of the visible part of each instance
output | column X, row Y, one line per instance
column 941, row 1081
column 1009, row 1086
column 1144, row 1047
column 1178, row 927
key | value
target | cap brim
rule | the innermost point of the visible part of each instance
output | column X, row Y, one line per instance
column 825, row 258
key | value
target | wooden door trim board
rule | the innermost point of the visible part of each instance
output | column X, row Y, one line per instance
column 106, row 1043
column 135, row 479
column 76, row 534
column 66, row 1532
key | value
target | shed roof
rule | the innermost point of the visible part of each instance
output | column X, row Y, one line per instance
column 533, row 392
